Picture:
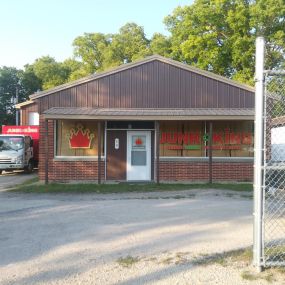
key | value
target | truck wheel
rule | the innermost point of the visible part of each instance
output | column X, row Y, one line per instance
column 29, row 168
column 1, row 171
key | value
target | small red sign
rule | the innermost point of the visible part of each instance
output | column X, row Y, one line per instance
column 139, row 141
column 32, row 131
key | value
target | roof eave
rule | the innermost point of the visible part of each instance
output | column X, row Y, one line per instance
column 150, row 117
column 25, row 103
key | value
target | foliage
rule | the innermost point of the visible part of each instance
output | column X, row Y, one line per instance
column 74, row 69
column 8, row 83
column 98, row 51
column 130, row 43
column 160, row 44
column 219, row 35
column 13, row 83
column 49, row 72
column 128, row 261
column 90, row 49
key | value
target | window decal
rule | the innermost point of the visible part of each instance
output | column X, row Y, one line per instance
column 80, row 137
column 138, row 142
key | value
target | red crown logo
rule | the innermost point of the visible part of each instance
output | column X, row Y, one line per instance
column 79, row 137
column 139, row 141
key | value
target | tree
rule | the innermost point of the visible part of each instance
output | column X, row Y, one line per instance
column 12, row 86
column 268, row 16
column 29, row 81
column 160, row 44
column 74, row 68
column 90, row 49
column 219, row 35
column 49, row 72
column 130, row 43
column 98, row 52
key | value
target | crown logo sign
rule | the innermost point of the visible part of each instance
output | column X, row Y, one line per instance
column 80, row 137
column 139, row 141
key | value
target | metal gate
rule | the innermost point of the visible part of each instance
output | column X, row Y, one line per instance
column 269, row 181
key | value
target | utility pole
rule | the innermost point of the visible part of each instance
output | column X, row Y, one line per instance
column 16, row 102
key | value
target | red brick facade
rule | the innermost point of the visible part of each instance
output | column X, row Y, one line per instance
column 199, row 171
column 87, row 170
column 64, row 170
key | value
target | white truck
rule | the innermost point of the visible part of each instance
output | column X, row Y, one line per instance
column 18, row 150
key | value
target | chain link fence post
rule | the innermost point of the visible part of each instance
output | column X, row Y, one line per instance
column 258, row 152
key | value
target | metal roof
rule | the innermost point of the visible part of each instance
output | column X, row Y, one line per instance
column 148, row 114
column 140, row 62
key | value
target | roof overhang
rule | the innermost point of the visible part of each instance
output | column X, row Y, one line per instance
column 148, row 114
column 25, row 103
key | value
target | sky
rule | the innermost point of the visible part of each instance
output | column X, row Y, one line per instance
column 34, row 28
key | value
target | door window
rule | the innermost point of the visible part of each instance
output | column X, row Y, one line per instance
column 138, row 153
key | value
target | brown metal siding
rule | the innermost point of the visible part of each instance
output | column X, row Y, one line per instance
column 24, row 120
column 151, row 85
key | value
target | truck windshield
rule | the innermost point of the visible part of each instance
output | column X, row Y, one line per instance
column 11, row 143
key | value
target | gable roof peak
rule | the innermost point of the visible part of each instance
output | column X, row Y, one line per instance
column 138, row 63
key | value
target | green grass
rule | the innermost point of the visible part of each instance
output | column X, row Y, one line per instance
column 167, row 260
column 30, row 181
column 251, row 276
column 224, row 259
column 241, row 258
column 128, row 261
column 246, row 275
column 123, row 187
column 275, row 253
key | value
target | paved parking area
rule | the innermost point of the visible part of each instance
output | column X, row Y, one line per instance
column 79, row 239
column 10, row 179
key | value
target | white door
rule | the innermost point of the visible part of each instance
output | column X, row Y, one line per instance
column 138, row 155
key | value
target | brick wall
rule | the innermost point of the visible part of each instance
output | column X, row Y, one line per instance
column 64, row 170
column 169, row 170
column 199, row 171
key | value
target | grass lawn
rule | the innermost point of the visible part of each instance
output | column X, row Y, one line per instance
column 243, row 259
column 32, row 187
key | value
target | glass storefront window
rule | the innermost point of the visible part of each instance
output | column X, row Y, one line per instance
column 182, row 139
column 233, row 139
column 74, row 138
column 191, row 139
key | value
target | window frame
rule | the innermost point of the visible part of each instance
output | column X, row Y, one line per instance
column 75, row 157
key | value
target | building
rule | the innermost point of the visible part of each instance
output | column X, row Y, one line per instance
column 29, row 113
column 151, row 120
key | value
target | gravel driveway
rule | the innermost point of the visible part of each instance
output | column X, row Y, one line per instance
column 79, row 239
column 9, row 179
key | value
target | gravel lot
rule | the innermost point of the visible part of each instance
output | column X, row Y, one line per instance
column 9, row 179
column 79, row 239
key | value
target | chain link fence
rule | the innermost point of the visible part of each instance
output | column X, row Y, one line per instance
column 273, row 245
